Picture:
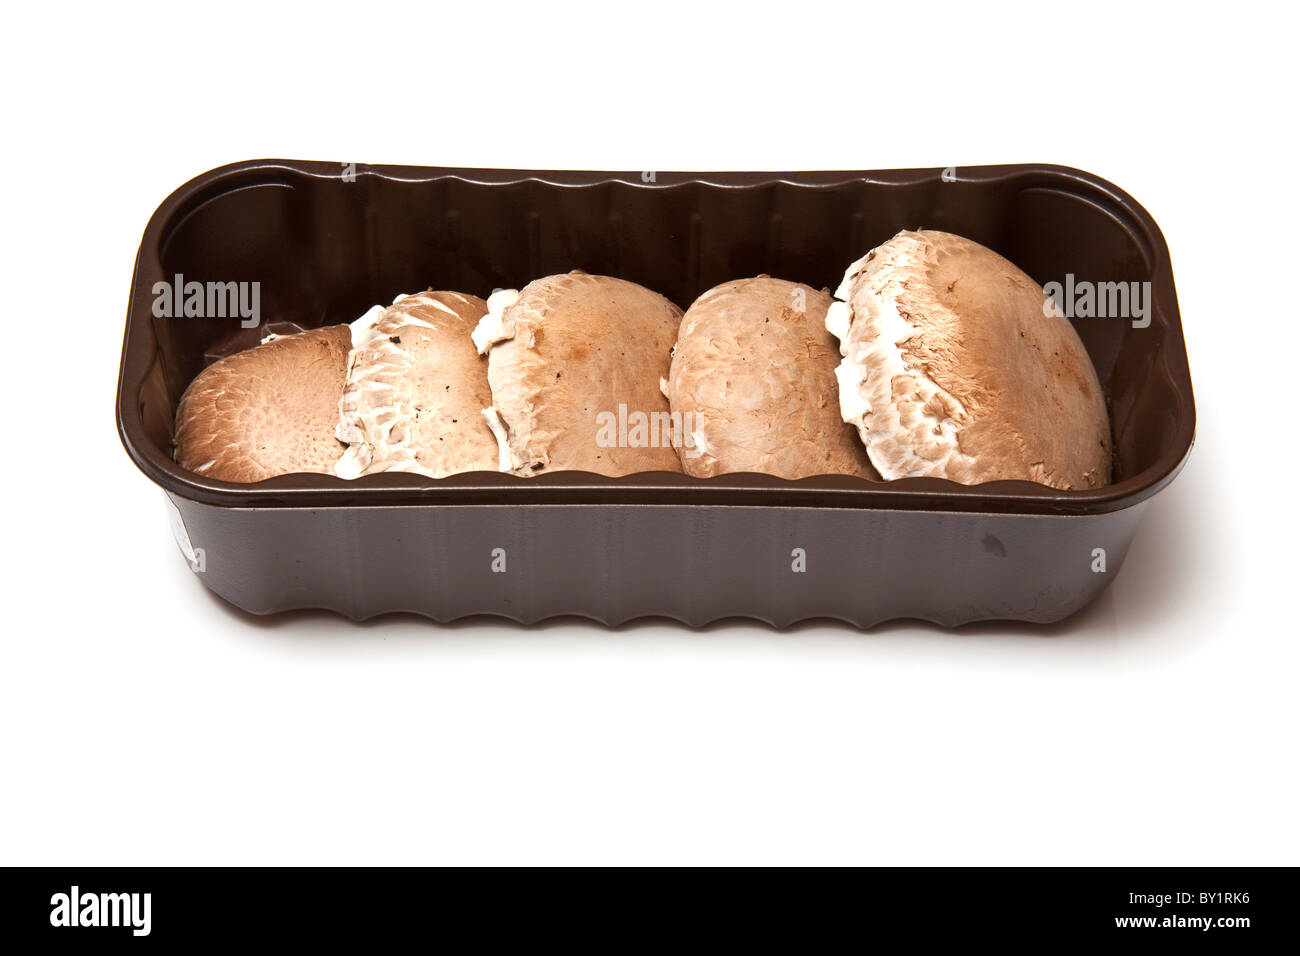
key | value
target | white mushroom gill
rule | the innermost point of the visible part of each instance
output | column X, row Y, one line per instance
column 495, row 326
column 874, row 372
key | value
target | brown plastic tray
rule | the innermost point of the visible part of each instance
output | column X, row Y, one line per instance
column 326, row 241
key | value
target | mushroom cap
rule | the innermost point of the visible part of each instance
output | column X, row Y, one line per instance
column 270, row 410
column 415, row 391
column 572, row 355
column 957, row 365
column 753, row 376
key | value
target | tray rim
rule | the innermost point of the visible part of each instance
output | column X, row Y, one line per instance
column 567, row 488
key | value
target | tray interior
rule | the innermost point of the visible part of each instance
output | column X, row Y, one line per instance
column 324, row 249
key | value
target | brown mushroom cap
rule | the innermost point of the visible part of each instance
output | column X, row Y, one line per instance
column 956, row 365
column 564, row 357
column 267, row 411
column 753, row 375
column 415, row 391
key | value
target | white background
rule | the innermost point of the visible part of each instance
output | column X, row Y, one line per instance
column 143, row 721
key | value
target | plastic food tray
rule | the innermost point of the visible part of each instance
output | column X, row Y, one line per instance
column 325, row 241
